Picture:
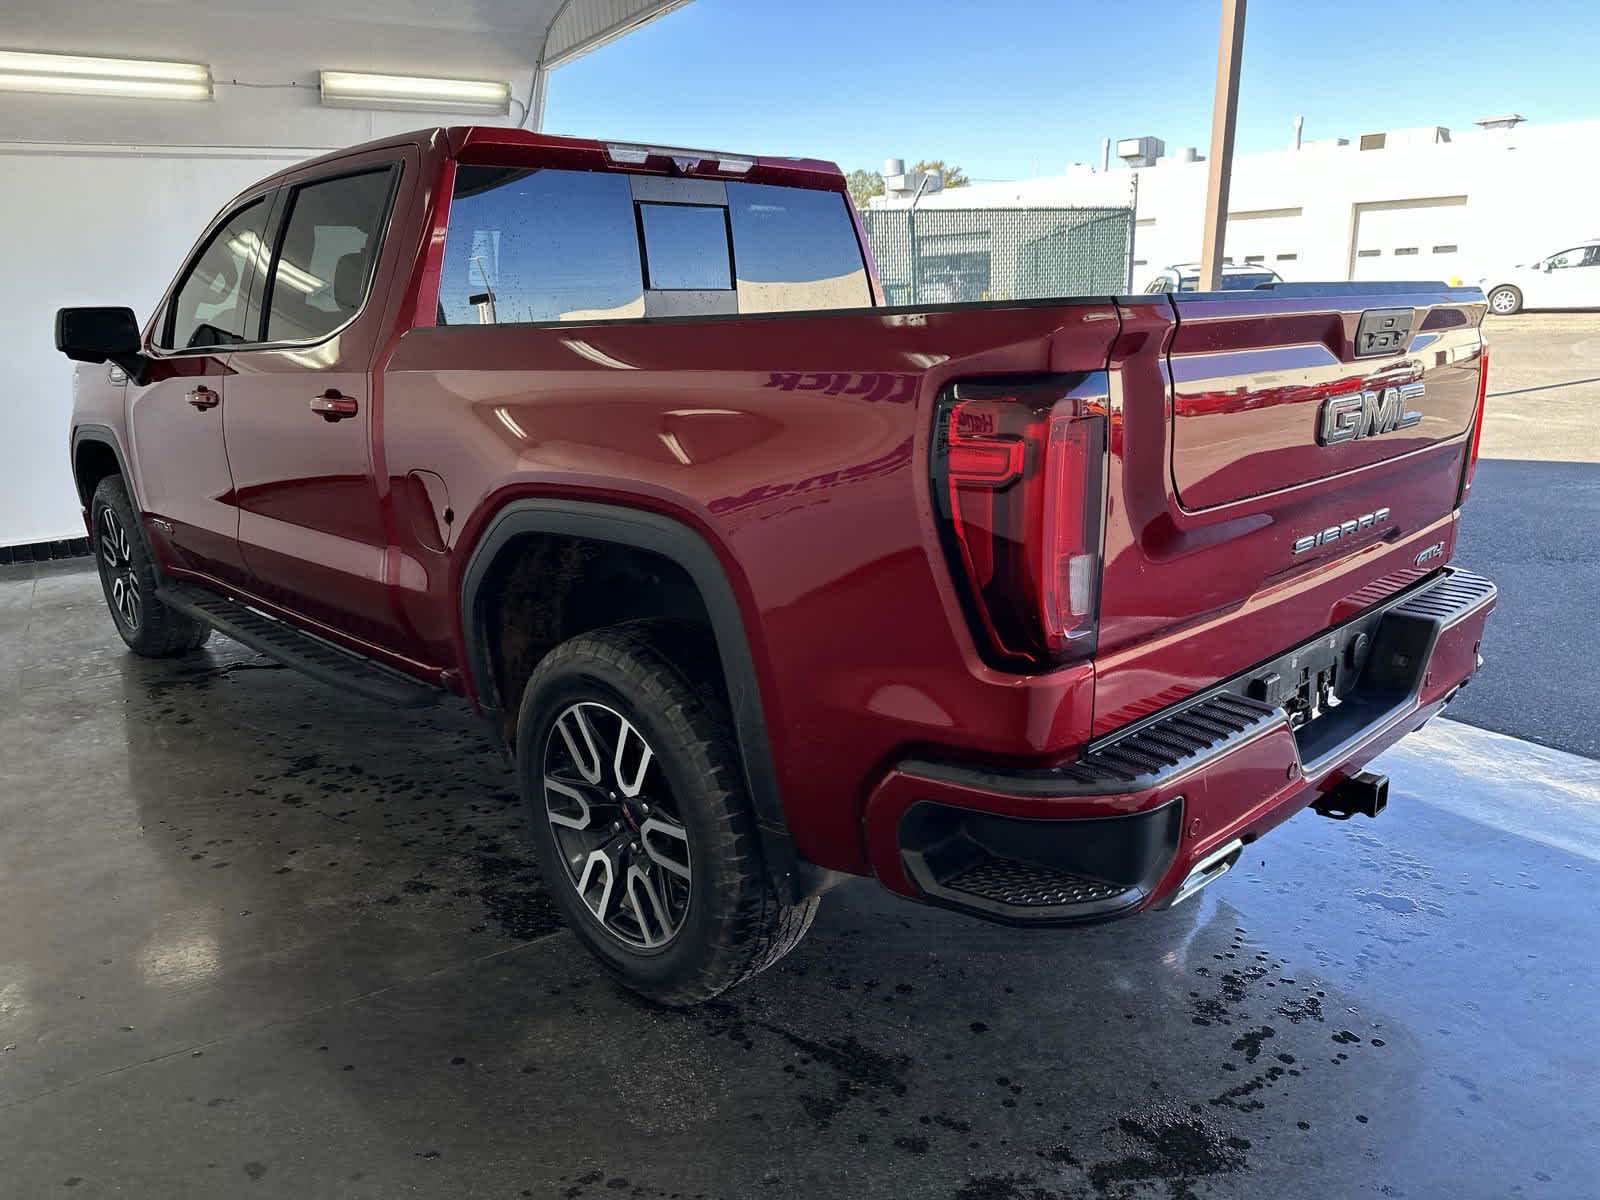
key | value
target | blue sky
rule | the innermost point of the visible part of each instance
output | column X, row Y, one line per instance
column 1009, row 88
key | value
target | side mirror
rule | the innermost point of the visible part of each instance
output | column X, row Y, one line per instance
column 1547, row 266
column 95, row 335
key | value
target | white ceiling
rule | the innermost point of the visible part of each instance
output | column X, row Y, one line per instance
column 277, row 41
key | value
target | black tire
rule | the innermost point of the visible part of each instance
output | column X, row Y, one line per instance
column 1505, row 300
column 128, row 577
column 733, row 923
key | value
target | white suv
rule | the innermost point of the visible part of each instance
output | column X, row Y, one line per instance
column 1567, row 279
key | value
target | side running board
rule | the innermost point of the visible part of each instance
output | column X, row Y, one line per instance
column 295, row 648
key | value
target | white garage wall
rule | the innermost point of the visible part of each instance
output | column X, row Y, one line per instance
column 100, row 197
column 87, row 226
column 89, row 216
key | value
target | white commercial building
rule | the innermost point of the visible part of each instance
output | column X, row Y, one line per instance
column 1426, row 203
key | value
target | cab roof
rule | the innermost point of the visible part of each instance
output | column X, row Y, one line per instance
column 503, row 146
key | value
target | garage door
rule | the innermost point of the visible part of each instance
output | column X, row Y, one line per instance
column 1409, row 239
column 1268, row 237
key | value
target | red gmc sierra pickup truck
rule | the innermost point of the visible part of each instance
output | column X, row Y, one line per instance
column 1036, row 610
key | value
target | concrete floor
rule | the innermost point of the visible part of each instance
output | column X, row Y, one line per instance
column 266, row 939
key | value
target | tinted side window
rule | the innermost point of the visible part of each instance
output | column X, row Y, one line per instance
column 795, row 249
column 540, row 245
column 208, row 307
column 325, row 256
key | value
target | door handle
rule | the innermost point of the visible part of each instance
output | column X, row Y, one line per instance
column 332, row 406
column 203, row 398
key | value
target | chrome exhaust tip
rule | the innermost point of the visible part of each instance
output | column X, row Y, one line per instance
column 1208, row 870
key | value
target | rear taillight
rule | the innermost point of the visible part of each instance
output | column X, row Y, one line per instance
column 1477, row 424
column 1019, row 479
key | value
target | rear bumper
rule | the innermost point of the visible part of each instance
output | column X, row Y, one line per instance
column 1149, row 813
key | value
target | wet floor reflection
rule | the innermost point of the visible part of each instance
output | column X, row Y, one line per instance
column 282, row 940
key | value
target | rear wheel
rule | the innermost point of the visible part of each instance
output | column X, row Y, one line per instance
column 128, row 577
column 640, row 821
column 1505, row 301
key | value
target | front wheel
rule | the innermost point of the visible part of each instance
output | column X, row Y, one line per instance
column 640, row 821
column 1504, row 301
column 128, row 577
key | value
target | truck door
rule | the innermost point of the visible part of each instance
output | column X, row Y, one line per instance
column 175, row 418
column 301, row 408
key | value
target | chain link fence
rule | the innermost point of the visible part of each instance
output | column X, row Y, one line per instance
column 954, row 255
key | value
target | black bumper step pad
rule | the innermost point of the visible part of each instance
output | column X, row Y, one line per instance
column 1028, row 885
column 1457, row 593
column 1157, row 749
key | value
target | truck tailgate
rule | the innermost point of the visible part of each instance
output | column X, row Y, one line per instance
column 1266, row 480
column 1250, row 378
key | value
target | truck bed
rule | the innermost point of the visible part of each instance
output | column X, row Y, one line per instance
column 800, row 445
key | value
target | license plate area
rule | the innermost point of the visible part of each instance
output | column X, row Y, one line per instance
column 1335, row 685
column 1313, row 680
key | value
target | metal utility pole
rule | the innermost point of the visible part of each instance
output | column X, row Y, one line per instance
column 1224, row 108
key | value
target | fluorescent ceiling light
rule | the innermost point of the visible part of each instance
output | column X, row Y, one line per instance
column 72, row 74
column 358, row 89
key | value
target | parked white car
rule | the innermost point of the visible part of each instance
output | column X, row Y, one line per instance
column 1567, row 279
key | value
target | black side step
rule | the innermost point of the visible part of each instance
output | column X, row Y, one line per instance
column 295, row 648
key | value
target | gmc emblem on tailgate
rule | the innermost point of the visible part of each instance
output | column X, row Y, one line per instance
column 1367, row 414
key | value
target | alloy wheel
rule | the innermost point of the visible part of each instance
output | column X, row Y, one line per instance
column 1503, row 302
column 116, row 563
column 616, row 825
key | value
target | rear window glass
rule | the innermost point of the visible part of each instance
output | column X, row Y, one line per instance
column 540, row 245
column 557, row 245
column 795, row 249
column 686, row 246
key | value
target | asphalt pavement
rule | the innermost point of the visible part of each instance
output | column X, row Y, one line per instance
column 1532, row 525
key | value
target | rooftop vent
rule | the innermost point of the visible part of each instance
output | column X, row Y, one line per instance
column 1140, row 151
column 1425, row 135
column 898, row 181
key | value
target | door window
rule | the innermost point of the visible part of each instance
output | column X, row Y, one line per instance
column 208, row 307
column 1580, row 256
column 325, row 255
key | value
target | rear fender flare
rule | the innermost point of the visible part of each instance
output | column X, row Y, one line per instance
column 671, row 539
